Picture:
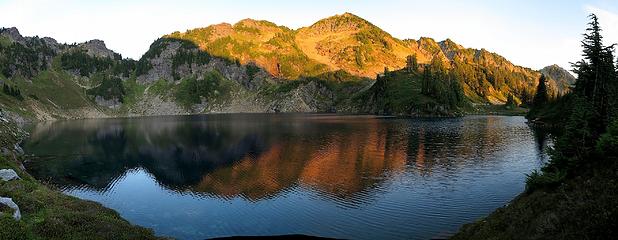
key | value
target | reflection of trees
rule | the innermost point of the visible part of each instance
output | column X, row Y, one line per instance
column 542, row 137
column 258, row 158
column 177, row 156
column 347, row 164
column 342, row 162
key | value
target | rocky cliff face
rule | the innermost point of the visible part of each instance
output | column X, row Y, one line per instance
column 560, row 80
column 172, row 60
column 13, row 34
column 97, row 48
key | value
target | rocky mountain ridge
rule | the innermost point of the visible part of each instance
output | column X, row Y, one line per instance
column 251, row 66
column 350, row 43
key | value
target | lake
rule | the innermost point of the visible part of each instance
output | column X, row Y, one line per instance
column 353, row 177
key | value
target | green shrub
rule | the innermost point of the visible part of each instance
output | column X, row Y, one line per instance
column 607, row 146
column 251, row 70
column 540, row 180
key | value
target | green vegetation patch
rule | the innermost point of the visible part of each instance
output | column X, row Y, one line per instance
column 17, row 59
column 161, row 87
column 65, row 95
column 109, row 88
column 84, row 63
column 133, row 91
column 190, row 91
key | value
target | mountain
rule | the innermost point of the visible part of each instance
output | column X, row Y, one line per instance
column 45, row 80
column 342, row 42
column 259, row 66
column 352, row 44
column 560, row 79
column 271, row 47
column 349, row 43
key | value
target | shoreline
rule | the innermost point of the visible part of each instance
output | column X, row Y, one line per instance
column 452, row 115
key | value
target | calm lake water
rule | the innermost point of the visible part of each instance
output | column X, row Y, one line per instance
column 354, row 177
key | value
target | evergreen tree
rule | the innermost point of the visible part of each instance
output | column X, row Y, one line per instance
column 510, row 102
column 578, row 139
column 434, row 79
column 12, row 91
column 426, row 80
column 441, row 84
column 591, row 105
column 456, row 94
column 411, row 63
column 379, row 94
column 596, row 73
column 541, row 97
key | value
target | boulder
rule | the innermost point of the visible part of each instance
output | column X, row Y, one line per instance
column 9, row 203
column 8, row 175
column 18, row 149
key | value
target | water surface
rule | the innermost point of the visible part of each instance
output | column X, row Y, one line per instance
column 355, row 177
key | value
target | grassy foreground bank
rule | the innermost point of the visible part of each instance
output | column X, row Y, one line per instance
column 585, row 207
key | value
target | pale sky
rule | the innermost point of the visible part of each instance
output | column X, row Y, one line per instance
column 530, row 33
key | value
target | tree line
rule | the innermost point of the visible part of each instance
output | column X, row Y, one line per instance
column 441, row 83
column 84, row 63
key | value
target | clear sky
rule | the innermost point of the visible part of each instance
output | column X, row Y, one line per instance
column 530, row 33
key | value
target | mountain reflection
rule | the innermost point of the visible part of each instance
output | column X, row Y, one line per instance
column 255, row 156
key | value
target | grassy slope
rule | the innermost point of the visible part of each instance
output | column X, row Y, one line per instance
column 402, row 92
column 270, row 46
column 581, row 208
column 51, row 91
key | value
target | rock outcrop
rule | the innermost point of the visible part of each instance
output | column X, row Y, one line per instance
column 13, row 34
column 97, row 48
column 171, row 59
column 8, row 202
column 560, row 80
column 8, row 175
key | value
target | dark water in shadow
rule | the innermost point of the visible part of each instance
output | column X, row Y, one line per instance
column 359, row 177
